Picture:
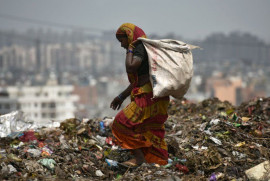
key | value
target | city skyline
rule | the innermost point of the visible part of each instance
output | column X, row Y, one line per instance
column 95, row 71
column 59, row 38
column 192, row 20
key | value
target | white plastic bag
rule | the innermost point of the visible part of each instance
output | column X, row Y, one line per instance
column 13, row 123
column 16, row 122
column 170, row 66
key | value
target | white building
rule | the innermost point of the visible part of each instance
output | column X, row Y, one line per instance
column 51, row 102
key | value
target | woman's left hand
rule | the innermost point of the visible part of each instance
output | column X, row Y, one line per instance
column 116, row 103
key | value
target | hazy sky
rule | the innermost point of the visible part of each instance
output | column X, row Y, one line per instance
column 191, row 19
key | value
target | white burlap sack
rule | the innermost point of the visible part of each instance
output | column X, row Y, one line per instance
column 170, row 66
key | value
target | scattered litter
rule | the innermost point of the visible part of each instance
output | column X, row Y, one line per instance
column 99, row 173
column 49, row 163
column 217, row 141
column 34, row 152
column 210, row 140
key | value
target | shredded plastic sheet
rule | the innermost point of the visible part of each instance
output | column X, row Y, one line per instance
column 14, row 123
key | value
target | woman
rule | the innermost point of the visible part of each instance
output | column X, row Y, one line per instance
column 139, row 126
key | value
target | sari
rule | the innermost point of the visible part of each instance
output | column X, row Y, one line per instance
column 141, row 123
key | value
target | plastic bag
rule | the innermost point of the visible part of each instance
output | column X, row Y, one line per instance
column 170, row 66
column 48, row 163
column 15, row 123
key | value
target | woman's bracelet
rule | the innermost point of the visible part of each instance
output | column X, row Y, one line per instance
column 129, row 51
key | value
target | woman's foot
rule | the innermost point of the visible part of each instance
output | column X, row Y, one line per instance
column 132, row 162
column 138, row 160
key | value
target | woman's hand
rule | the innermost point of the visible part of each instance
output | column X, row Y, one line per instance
column 116, row 103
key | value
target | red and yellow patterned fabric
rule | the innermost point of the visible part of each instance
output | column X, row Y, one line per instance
column 131, row 31
column 141, row 123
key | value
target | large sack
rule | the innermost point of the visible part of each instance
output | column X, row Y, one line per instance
column 170, row 66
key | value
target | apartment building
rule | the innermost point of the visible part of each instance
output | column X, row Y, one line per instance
column 17, row 57
column 51, row 102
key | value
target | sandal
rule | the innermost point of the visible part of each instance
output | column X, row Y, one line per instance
column 129, row 165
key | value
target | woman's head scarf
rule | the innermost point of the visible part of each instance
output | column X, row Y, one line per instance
column 131, row 31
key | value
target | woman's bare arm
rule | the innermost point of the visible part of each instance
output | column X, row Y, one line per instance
column 132, row 62
column 126, row 92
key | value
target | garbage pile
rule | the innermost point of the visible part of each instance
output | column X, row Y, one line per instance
column 211, row 140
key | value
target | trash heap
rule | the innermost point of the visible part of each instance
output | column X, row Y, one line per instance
column 211, row 140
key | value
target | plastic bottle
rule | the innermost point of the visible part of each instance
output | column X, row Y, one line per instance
column 101, row 127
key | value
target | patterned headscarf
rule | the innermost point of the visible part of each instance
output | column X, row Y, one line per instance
column 131, row 31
